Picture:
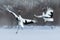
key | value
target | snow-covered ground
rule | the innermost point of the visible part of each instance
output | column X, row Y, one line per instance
column 31, row 33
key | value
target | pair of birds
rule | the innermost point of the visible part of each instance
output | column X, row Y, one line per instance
column 48, row 16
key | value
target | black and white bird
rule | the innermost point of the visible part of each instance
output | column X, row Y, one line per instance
column 48, row 16
column 21, row 21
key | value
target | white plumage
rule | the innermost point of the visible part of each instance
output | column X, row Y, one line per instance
column 21, row 20
column 47, row 16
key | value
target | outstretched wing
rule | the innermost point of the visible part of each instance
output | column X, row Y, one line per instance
column 40, row 16
column 12, row 13
column 7, row 8
column 48, row 19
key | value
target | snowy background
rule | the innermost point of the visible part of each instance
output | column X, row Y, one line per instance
column 29, row 33
column 28, row 8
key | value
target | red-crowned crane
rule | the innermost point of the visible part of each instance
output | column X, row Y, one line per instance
column 21, row 21
column 48, row 16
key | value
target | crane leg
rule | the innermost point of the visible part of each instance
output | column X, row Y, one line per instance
column 17, row 29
